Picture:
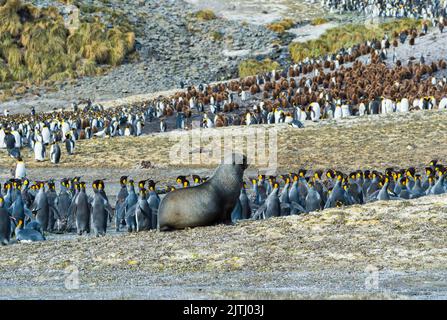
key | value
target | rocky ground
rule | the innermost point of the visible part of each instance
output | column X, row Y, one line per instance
column 173, row 46
column 263, row 11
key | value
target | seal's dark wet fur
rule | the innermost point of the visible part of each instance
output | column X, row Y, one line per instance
column 206, row 204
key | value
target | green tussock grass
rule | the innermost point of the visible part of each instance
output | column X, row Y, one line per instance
column 216, row 36
column 348, row 35
column 205, row 15
column 281, row 26
column 318, row 21
column 37, row 46
column 253, row 67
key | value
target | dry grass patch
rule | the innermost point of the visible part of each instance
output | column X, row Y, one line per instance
column 319, row 21
column 205, row 15
column 281, row 26
column 252, row 67
column 378, row 142
column 36, row 46
column 348, row 35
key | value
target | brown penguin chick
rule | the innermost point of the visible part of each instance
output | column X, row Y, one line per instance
column 254, row 89
column 265, row 95
column 411, row 42
column 84, row 123
column 168, row 111
column 434, row 67
column 291, row 72
column 220, row 121
column 304, row 69
column 187, row 112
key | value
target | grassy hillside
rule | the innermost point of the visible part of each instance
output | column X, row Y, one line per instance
column 37, row 45
column 348, row 35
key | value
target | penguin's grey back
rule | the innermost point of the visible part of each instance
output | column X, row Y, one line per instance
column 5, row 226
column 99, row 215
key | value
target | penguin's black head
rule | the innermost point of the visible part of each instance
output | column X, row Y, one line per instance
column 65, row 183
column 411, row 172
column 318, row 174
column 151, row 184
column 439, row 168
column 51, row 185
column 141, row 184
column 123, row 180
column 389, row 171
column 403, row 181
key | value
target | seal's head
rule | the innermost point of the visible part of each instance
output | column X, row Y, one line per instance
column 237, row 159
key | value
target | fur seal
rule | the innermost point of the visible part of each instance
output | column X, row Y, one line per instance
column 206, row 204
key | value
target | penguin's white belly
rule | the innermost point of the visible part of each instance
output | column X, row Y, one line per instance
column 39, row 152
column 303, row 116
column 316, row 114
column 20, row 171
column 2, row 140
column 443, row 104
column 362, row 109
column 338, row 113
column 404, row 106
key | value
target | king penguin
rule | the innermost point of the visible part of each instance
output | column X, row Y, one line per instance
column 120, row 202
column 29, row 235
column 69, row 143
column 81, row 210
column 41, row 206
column 20, row 169
column 129, row 207
column 55, row 153
column 143, row 213
column 100, row 210
column 5, row 224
